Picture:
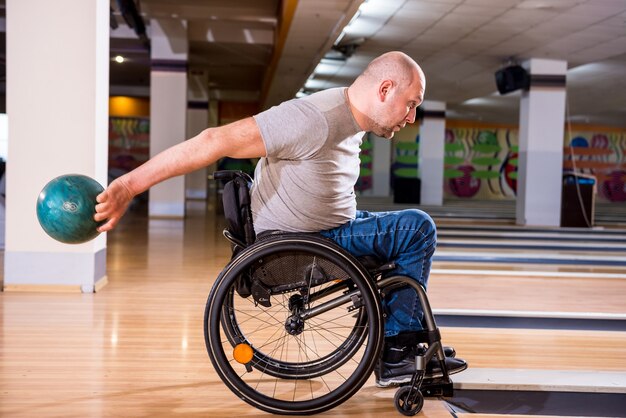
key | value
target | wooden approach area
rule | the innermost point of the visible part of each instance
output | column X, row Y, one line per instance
column 136, row 348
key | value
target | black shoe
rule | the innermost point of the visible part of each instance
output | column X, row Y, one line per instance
column 398, row 366
column 449, row 351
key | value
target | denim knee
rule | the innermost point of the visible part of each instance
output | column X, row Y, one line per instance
column 418, row 220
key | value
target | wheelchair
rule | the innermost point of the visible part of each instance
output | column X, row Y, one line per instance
column 294, row 324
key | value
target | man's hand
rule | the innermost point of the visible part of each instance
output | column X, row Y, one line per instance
column 112, row 204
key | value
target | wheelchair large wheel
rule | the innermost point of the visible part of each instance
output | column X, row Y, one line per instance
column 315, row 344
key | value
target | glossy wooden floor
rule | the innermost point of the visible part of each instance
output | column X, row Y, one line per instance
column 136, row 348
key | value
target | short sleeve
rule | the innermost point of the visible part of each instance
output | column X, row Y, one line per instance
column 293, row 130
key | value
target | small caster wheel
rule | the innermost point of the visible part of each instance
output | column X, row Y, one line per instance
column 404, row 402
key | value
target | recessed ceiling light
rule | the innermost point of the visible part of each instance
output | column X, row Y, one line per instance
column 547, row 4
column 119, row 59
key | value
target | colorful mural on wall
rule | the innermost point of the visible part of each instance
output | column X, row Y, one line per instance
column 405, row 160
column 480, row 163
column 129, row 144
column 129, row 147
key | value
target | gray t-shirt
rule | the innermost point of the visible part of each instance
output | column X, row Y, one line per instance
column 306, row 181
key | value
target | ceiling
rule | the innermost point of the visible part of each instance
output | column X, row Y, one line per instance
column 268, row 50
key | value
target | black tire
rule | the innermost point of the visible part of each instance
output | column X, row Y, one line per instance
column 328, row 360
column 404, row 402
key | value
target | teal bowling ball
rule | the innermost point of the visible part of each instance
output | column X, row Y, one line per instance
column 65, row 208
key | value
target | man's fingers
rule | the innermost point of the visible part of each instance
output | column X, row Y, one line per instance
column 110, row 206
column 109, row 225
column 101, row 212
column 101, row 197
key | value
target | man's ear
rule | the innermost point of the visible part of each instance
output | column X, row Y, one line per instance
column 384, row 89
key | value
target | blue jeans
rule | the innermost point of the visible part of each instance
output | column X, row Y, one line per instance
column 408, row 238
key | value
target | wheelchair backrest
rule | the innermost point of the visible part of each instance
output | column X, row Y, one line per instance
column 236, row 202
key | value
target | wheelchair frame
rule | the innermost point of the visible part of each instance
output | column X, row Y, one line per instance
column 361, row 291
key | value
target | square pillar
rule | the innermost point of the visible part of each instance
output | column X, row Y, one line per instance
column 58, row 124
column 540, row 164
column 431, row 152
column 168, row 109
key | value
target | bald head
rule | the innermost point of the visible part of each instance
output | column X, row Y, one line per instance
column 384, row 97
column 394, row 65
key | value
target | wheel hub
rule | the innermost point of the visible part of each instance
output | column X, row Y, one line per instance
column 294, row 325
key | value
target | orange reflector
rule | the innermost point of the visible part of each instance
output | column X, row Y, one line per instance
column 242, row 353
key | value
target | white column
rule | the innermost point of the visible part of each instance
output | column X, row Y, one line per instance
column 168, row 104
column 58, row 124
column 197, row 121
column 431, row 152
column 540, row 164
column 381, row 166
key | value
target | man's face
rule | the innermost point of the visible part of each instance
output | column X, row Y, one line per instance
column 398, row 108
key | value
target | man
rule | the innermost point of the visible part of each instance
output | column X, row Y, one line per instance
column 304, row 182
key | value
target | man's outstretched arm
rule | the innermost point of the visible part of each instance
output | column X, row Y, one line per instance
column 240, row 139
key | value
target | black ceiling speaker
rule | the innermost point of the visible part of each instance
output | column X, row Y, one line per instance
column 132, row 16
column 512, row 78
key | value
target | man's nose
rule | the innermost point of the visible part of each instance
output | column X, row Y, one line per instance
column 410, row 117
